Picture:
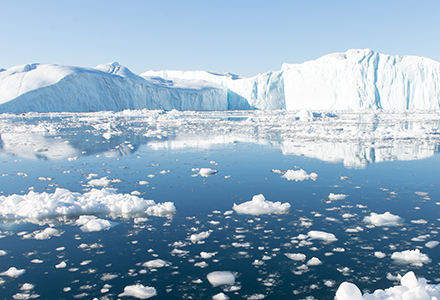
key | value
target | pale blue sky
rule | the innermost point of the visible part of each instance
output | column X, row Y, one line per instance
column 241, row 37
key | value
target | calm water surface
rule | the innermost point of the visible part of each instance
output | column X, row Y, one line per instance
column 65, row 157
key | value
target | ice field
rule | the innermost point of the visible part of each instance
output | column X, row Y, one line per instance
column 250, row 204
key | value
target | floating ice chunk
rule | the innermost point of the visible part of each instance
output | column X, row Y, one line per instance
column 207, row 255
column 420, row 221
column 414, row 257
column 161, row 209
column 64, row 202
column 332, row 196
column 348, row 291
column 155, row 263
column 108, row 276
column 201, row 264
column 36, row 261
column 304, row 115
column 321, row 235
column 314, row 261
column 104, row 181
column 27, row 287
column 143, row 182
column 385, row 219
column 221, row 278
column 196, row 237
column 3, row 252
column 13, row 272
column 296, row 256
column 259, row 205
column 47, row 233
column 410, row 288
column 432, row 244
column 61, row 265
column 92, row 223
column 205, row 172
column 138, row 291
column 299, row 175
column 220, row 296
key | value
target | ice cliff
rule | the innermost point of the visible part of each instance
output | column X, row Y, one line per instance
column 54, row 88
column 357, row 79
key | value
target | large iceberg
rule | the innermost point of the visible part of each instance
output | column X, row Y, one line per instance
column 54, row 88
column 357, row 79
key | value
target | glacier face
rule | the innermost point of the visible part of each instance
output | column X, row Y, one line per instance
column 357, row 79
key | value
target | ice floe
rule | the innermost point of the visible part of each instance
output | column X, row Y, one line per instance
column 299, row 175
column 13, row 272
column 332, row 196
column 385, row 219
column 410, row 288
column 64, row 202
column 259, row 206
column 138, row 291
column 92, row 223
column 414, row 257
column 321, row 235
column 205, row 172
column 217, row 278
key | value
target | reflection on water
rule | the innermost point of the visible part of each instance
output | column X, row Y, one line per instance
column 355, row 139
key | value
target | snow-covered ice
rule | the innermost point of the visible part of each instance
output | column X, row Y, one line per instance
column 13, row 272
column 321, row 235
column 259, row 205
column 92, row 223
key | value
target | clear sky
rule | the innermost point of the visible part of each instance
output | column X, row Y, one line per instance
column 240, row 36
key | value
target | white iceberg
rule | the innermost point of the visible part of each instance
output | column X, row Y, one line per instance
column 356, row 79
column 13, row 272
column 259, row 206
column 92, row 223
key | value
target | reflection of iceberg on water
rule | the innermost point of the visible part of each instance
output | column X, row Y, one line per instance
column 359, row 154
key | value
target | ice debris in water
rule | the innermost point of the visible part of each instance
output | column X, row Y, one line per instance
column 299, row 175
column 92, row 223
column 139, row 291
column 205, row 172
column 321, row 235
column 13, row 272
column 259, row 206
column 385, row 219
column 410, row 288
column 65, row 202
column 332, row 196
column 220, row 296
column 221, row 278
column 414, row 257
column 196, row 237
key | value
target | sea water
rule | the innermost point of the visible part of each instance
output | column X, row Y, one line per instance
column 378, row 166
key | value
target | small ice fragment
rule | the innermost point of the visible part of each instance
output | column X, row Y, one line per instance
column 332, row 196
column 205, row 172
column 61, row 265
column 220, row 296
column 385, row 219
column 221, row 278
column 139, row 291
column 13, row 272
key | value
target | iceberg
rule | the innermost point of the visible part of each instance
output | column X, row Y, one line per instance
column 108, row 87
column 356, row 79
